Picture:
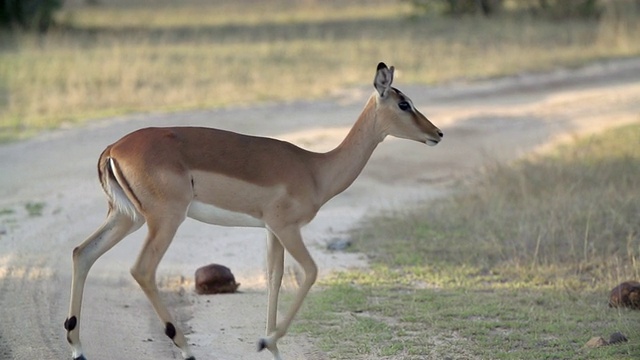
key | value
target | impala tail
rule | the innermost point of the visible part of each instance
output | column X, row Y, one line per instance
column 115, row 186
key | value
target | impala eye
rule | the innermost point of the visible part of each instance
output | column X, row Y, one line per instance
column 404, row 106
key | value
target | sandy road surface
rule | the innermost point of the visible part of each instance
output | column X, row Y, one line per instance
column 490, row 121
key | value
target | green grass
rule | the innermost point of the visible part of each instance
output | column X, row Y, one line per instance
column 34, row 208
column 5, row 212
column 123, row 57
column 462, row 323
column 517, row 264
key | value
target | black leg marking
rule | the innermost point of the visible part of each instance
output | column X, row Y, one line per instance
column 70, row 323
column 262, row 344
column 81, row 357
column 170, row 330
column 191, row 358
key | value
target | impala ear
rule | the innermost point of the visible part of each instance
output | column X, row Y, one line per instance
column 384, row 78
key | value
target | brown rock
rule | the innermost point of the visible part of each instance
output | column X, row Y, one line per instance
column 627, row 294
column 596, row 342
column 215, row 279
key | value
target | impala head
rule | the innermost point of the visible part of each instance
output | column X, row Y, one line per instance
column 401, row 118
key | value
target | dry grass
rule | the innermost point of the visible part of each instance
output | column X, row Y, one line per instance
column 571, row 215
column 130, row 57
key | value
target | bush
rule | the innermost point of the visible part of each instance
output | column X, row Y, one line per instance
column 557, row 9
column 563, row 9
column 28, row 14
column 457, row 7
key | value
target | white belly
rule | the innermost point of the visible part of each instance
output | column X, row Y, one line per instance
column 217, row 216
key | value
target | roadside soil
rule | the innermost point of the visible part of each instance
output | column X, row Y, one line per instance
column 50, row 200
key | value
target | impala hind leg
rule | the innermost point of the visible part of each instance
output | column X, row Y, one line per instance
column 115, row 228
column 291, row 239
column 161, row 233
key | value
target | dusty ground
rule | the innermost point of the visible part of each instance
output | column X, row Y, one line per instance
column 483, row 122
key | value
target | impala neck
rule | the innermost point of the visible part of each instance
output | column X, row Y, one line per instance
column 340, row 167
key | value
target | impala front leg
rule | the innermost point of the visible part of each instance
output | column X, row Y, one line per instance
column 291, row 239
column 275, row 269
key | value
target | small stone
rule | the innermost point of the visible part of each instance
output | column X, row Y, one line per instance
column 338, row 244
column 617, row 337
column 215, row 279
column 596, row 342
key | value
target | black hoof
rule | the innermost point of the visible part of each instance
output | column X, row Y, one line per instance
column 81, row 357
column 191, row 358
column 262, row 344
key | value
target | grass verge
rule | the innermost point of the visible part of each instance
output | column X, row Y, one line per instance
column 137, row 56
column 516, row 265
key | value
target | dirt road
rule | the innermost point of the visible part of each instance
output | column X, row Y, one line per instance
column 50, row 201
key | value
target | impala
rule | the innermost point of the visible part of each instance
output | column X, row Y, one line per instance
column 163, row 175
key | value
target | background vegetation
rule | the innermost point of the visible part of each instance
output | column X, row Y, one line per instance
column 28, row 14
column 128, row 56
column 517, row 265
column 559, row 9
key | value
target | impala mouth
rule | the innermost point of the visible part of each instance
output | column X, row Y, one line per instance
column 433, row 142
